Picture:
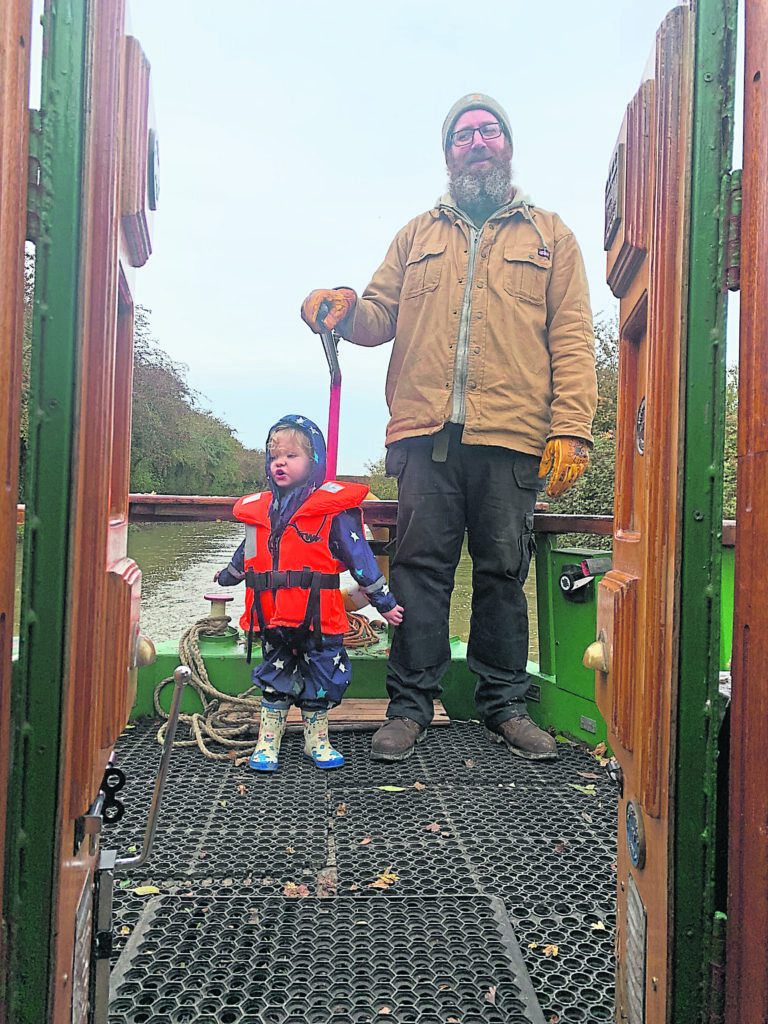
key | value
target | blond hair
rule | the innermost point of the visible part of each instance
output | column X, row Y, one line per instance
column 298, row 437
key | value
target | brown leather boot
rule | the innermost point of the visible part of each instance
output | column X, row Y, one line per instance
column 524, row 738
column 396, row 739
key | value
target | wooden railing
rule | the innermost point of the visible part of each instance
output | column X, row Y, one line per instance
column 183, row 508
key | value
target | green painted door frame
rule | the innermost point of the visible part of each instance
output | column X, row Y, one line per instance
column 32, row 854
column 695, row 765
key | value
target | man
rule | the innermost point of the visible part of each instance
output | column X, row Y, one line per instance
column 491, row 384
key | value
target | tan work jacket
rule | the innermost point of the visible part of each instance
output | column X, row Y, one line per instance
column 492, row 328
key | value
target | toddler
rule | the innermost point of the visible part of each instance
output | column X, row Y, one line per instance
column 299, row 536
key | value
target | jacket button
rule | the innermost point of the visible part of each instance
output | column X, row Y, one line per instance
column 480, row 284
column 476, row 351
column 472, row 385
column 479, row 316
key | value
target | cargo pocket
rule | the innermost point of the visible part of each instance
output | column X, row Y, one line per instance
column 526, row 470
column 422, row 271
column 527, row 547
column 395, row 459
column 526, row 274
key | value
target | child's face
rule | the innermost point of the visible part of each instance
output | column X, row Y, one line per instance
column 289, row 464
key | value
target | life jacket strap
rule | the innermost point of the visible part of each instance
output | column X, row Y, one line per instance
column 303, row 579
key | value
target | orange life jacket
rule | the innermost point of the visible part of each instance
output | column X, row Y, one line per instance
column 302, row 589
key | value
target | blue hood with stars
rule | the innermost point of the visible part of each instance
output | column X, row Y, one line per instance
column 286, row 502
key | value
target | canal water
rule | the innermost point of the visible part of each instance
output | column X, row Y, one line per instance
column 178, row 562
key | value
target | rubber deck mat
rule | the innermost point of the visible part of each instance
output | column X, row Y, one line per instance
column 462, row 822
column 238, row 960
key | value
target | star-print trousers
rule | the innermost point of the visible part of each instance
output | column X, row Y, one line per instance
column 301, row 674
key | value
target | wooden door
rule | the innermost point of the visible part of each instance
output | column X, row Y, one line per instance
column 78, row 647
column 102, row 631
column 15, row 24
column 646, row 238
column 659, row 607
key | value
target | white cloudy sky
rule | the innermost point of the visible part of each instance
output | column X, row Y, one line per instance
column 297, row 138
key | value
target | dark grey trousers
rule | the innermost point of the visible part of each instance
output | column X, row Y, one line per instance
column 490, row 492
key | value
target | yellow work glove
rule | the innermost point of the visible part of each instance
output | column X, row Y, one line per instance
column 566, row 459
column 341, row 301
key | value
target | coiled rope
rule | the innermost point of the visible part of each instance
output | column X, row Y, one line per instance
column 227, row 719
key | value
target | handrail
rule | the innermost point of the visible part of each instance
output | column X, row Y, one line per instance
column 183, row 508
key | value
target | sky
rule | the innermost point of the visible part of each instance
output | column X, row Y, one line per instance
column 297, row 139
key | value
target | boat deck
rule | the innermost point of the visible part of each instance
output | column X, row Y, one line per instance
column 464, row 885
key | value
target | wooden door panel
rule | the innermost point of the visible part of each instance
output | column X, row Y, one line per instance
column 646, row 230
column 102, row 631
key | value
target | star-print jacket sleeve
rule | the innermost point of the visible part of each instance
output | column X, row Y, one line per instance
column 235, row 571
column 347, row 543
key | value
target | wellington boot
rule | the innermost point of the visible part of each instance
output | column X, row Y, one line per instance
column 273, row 719
column 316, row 742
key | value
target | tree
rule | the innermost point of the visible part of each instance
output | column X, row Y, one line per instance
column 383, row 486
column 177, row 446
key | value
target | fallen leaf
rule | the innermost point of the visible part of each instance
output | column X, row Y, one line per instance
column 490, row 995
column 364, row 842
column 391, row 789
column 434, row 827
column 469, row 763
column 587, row 790
column 588, row 775
column 289, row 849
column 145, row 890
column 291, row 889
column 384, row 880
column 125, row 931
column 223, row 803
column 560, row 848
column 586, row 817
column 550, row 951
column 241, row 789
column 353, row 887
column 419, row 785
column 232, row 755
column 341, row 810
column 561, row 739
column 554, row 1019
column 327, row 886
column 533, row 945
column 384, row 1009
column 598, row 926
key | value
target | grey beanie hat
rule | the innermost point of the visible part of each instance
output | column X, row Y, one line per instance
column 475, row 101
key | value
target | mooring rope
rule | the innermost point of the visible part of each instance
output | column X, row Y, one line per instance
column 226, row 718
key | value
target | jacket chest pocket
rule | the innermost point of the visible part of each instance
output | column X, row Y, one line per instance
column 423, row 271
column 526, row 274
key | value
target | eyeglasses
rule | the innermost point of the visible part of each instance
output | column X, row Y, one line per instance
column 465, row 136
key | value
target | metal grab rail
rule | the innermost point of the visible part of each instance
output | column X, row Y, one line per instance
column 181, row 677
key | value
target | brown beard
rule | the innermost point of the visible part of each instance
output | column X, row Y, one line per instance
column 480, row 192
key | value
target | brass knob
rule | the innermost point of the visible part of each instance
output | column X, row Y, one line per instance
column 145, row 652
column 596, row 655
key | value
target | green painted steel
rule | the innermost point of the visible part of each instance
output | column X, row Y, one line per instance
column 32, row 849
column 695, row 767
